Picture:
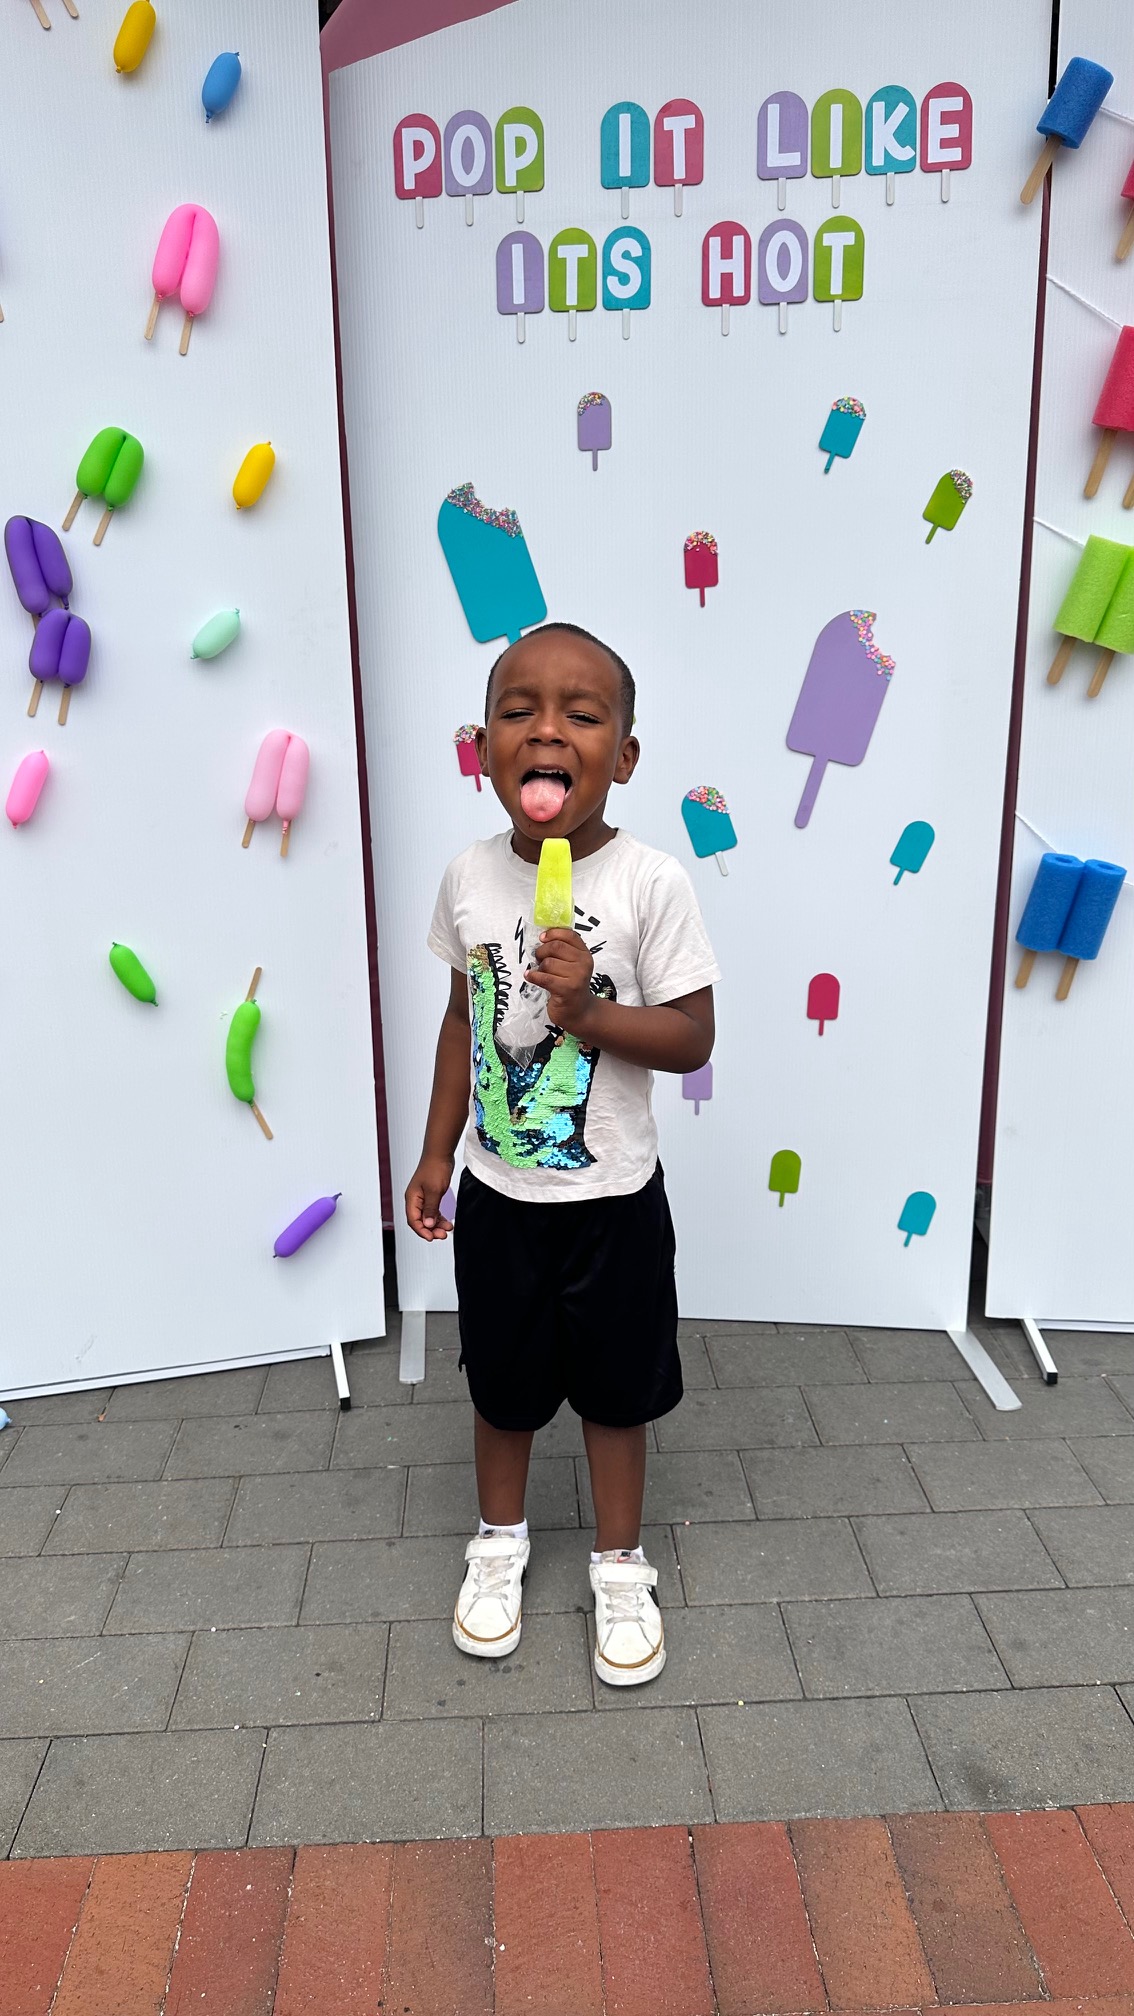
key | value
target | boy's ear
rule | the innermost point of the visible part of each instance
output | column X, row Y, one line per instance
column 482, row 750
column 627, row 760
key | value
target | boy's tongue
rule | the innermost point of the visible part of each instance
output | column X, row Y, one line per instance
column 542, row 798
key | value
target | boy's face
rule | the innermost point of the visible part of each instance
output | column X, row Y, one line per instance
column 554, row 741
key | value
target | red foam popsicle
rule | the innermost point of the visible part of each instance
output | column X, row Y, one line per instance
column 823, row 1000
column 1114, row 412
column 1126, row 242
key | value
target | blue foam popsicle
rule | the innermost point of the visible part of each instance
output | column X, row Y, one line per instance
column 917, row 1214
column 1091, row 910
column 1049, row 902
column 491, row 567
column 910, row 853
column 1075, row 101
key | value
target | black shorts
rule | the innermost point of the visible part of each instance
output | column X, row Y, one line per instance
column 572, row 1302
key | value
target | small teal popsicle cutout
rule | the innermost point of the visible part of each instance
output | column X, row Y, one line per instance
column 844, row 425
column 917, row 1214
column 784, row 1173
column 909, row 856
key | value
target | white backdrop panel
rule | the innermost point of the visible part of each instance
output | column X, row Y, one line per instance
column 1063, row 1191
column 720, row 434
column 141, row 1200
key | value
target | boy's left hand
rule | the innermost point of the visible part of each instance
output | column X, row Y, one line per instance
column 564, row 966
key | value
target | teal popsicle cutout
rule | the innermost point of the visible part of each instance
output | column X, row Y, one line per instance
column 491, row 567
column 784, row 1173
column 912, row 849
column 917, row 1214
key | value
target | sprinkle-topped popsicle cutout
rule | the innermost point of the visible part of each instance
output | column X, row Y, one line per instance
column 490, row 566
column 468, row 760
column 708, row 823
column 701, row 562
column 950, row 495
column 593, row 423
column 842, row 429
column 846, row 681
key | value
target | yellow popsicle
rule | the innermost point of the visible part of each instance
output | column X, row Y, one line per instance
column 553, row 901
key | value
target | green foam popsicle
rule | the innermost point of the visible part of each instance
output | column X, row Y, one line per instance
column 554, row 904
column 1092, row 585
column 784, row 1173
column 1116, row 631
column 238, row 1051
column 130, row 970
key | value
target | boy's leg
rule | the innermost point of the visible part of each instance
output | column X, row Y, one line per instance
column 502, row 1456
column 617, row 1459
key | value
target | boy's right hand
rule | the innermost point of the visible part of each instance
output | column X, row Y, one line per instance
column 427, row 1186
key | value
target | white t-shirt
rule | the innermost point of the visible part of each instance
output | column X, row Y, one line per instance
column 550, row 1120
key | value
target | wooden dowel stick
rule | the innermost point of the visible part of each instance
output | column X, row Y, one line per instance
column 1065, row 979
column 151, row 323
column 65, row 705
column 71, row 9
column 1035, row 180
column 1098, row 466
column 1127, row 239
column 103, row 522
column 1025, row 972
column 1, row 314
column 73, row 512
column 286, row 840
column 1061, row 661
column 33, row 703
column 186, row 332
column 248, row 832
column 40, row 16
column 1101, row 670
column 261, row 1122
column 256, row 978
column 1128, row 496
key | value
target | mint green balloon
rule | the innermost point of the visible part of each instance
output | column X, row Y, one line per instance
column 217, row 634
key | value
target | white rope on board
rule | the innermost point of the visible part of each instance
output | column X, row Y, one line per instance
column 1059, row 532
column 1092, row 305
column 1127, row 887
column 1124, row 118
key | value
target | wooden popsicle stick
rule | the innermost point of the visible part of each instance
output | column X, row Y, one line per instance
column 186, row 332
column 74, row 511
column 1127, row 239
column 1128, row 496
column 285, row 841
column 1061, row 661
column 1065, row 979
column 1034, row 182
column 256, row 978
column 65, row 705
column 71, row 9
column 40, row 16
column 103, row 523
column 261, row 1122
column 1101, row 670
column 33, row 703
column 1098, row 466
column 248, row 832
column 151, row 323
column 1026, row 964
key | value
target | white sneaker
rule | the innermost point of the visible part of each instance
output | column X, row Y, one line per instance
column 488, row 1613
column 629, row 1639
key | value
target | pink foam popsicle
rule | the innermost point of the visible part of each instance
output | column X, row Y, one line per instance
column 840, row 700
column 260, row 802
column 823, row 1000
column 467, row 758
column 701, row 562
column 1127, row 238
column 293, row 786
column 27, row 784
column 185, row 263
column 1114, row 412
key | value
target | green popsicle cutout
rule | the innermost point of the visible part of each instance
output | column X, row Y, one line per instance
column 132, row 973
column 836, row 135
column 784, row 1173
column 949, row 498
column 519, row 164
column 840, row 255
column 572, row 280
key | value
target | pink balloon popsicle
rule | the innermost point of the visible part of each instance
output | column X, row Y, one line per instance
column 293, row 786
column 260, row 802
column 27, row 784
column 185, row 263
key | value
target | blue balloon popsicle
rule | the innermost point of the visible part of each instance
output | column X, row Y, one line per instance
column 844, row 425
column 624, row 150
column 913, row 846
column 917, row 1214
column 491, row 567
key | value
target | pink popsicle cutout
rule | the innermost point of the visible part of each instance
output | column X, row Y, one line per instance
column 293, row 786
column 467, row 757
column 417, row 161
column 27, row 784
column 679, row 148
column 823, row 1000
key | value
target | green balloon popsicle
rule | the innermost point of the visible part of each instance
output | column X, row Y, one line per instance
column 110, row 469
column 909, row 855
column 238, row 1052
column 130, row 970
column 784, row 1173
column 948, row 501
column 572, row 276
column 840, row 253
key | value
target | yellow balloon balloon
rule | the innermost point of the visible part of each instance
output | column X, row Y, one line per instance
column 134, row 36
column 252, row 475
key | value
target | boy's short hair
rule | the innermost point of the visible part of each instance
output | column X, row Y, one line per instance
column 627, row 689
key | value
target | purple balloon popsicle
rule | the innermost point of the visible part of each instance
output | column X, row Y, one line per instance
column 840, row 700
column 38, row 564
column 781, row 142
column 782, row 266
column 519, row 277
column 61, row 649
column 299, row 1231
column 467, row 153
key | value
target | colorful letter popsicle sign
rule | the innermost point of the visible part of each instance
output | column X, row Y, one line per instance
column 519, row 154
column 624, row 150
column 891, row 135
column 626, row 263
column 572, row 275
column 467, row 149
column 417, row 162
column 519, row 277
column 679, row 148
column 726, row 269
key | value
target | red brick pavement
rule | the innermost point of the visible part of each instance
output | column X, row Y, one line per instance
column 1006, row 1914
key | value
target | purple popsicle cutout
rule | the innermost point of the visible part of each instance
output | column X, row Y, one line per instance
column 593, row 424
column 448, row 1206
column 519, row 277
column 782, row 266
column 840, row 699
column 698, row 1085
column 781, row 141
column 467, row 154
column 293, row 1236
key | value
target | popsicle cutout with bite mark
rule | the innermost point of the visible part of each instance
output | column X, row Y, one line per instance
column 490, row 566
column 846, row 681
column 708, row 823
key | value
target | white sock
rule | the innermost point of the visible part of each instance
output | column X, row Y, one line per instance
column 519, row 1532
column 632, row 1554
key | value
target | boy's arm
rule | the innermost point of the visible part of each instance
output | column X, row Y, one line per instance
column 676, row 1036
column 448, row 1111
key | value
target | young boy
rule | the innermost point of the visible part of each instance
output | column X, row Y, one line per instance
column 563, row 1240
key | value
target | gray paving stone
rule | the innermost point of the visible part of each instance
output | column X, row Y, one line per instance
column 377, row 1781
column 65, row 1598
column 112, row 1795
column 1081, row 1354
column 696, row 1368
column 88, row 1686
column 317, row 1505
column 19, row 1767
column 742, row 1654
column 310, row 1673
column 210, row 1588
column 8, row 1440
column 1073, row 1407
column 235, row 1392
column 27, row 1516
column 954, row 1552
column 548, row 1672
column 443, row 1378
column 685, row 1484
column 558, row 1579
column 1059, row 1746
column 372, row 1371
column 441, row 1327
column 816, row 1759
column 827, row 1482
column 442, row 1497
column 895, row 1356
column 968, row 1477
column 925, row 1410
column 368, row 1581
column 567, row 1773
column 562, row 1437
column 1109, row 1463
column 54, row 1410
column 709, row 1326
column 133, row 1518
column 1063, row 1637
column 252, row 1445
column 770, row 1561
column 104, row 1452
column 1092, row 1546
column 299, row 1386
column 788, row 1358
column 756, row 1417
column 371, row 1435
column 891, row 1645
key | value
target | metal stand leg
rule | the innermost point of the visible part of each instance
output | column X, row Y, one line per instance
column 340, row 1374
column 1043, row 1356
column 412, row 1367
column 985, row 1371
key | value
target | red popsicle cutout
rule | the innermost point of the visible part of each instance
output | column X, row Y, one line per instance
column 701, row 562
column 417, row 161
column 823, row 1000
column 467, row 757
column 679, row 147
